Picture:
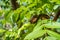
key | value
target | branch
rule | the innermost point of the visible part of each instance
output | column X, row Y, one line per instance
column 57, row 16
column 14, row 4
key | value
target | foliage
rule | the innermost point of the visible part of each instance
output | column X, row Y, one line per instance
column 15, row 24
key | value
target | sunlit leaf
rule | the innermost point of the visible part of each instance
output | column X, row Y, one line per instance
column 35, row 34
column 52, row 25
column 2, row 30
column 53, row 34
column 55, row 7
column 50, row 38
column 31, row 5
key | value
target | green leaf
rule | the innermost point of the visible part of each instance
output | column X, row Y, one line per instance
column 35, row 34
column 50, row 38
column 56, row 1
column 55, row 7
column 52, row 25
column 2, row 30
column 40, row 24
column 31, row 5
column 37, row 26
column 15, row 17
column 53, row 34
